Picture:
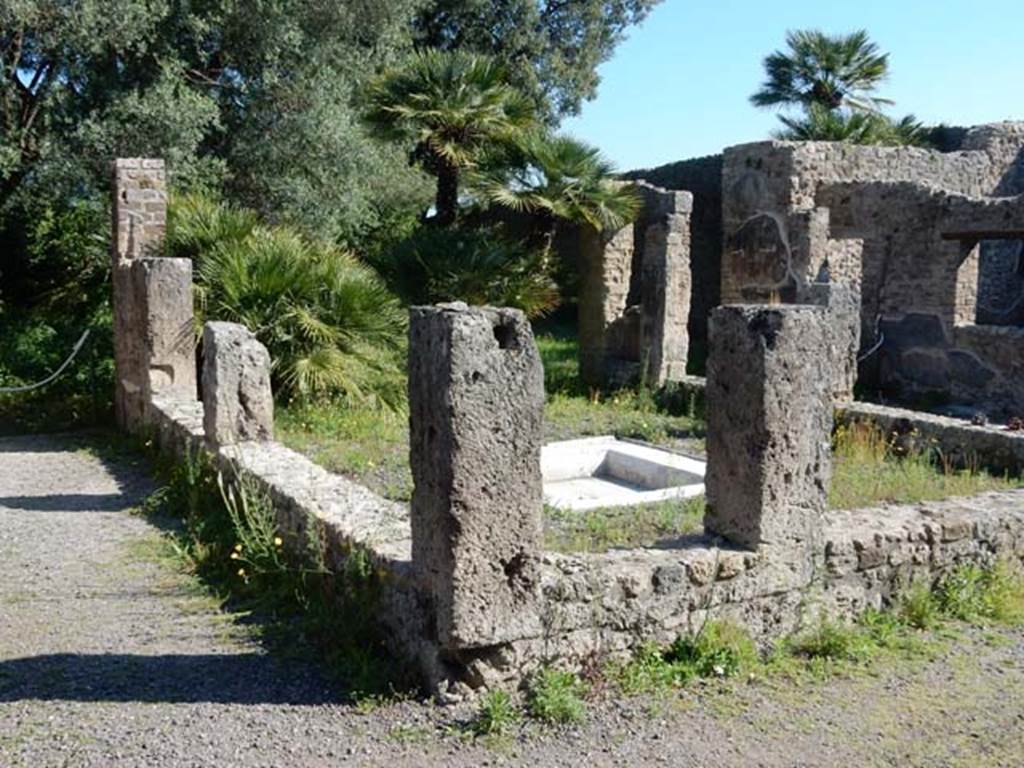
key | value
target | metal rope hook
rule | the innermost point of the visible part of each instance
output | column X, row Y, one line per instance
column 55, row 374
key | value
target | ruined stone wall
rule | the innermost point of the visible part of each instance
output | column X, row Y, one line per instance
column 635, row 294
column 885, row 220
column 702, row 177
column 464, row 591
column 919, row 289
column 785, row 178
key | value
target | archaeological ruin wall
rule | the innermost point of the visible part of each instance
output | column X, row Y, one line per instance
column 635, row 289
column 150, row 293
column 702, row 178
column 929, row 240
column 465, row 591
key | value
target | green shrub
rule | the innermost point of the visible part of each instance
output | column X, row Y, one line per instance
column 649, row 670
column 834, row 641
column 477, row 266
column 331, row 326
column 556, row 697
column 918, row 607
column 54, row 286
column 197, row 225
column 971, row 593
column 497, row 714
column 719, row 649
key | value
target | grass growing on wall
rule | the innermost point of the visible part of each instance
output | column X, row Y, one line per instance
column 867, row 471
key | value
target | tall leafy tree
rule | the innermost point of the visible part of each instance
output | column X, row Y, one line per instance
column 257, row 95
column 451, row 108
column 830, row 71
column 552, row 47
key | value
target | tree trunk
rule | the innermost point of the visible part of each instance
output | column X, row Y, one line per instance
column 548, row 228
column 447, row 200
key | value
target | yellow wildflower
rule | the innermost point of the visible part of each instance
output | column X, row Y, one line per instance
column 238, row 547
column 277, row 541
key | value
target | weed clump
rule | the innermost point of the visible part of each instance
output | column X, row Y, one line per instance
column 497, row 714
column 556, row 697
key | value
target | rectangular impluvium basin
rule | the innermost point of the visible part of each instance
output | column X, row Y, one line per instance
column 607, row 472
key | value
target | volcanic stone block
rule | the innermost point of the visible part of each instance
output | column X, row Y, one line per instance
column 769, row 427
column 476, row 398
column 154, row 349
column 237, row 401
column 666, row 282
column 606, row 263
column 842, row 304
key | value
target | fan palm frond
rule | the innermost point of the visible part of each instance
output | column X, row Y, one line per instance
column 830, row 71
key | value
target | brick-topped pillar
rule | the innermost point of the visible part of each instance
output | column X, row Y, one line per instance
column 153, row 335
column 476, row 399
column 769, row 411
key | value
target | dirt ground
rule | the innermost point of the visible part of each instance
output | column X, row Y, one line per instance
column 110, row 657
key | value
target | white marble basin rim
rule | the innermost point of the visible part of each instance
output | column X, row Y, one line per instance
column 605, row 471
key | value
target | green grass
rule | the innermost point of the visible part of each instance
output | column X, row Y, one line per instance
column 371, row 445
column 368, row 445
column 915, row 627
column 599, row 530
column 866, row 472
column 556, row 697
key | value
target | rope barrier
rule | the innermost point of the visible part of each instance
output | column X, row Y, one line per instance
column 53, row 376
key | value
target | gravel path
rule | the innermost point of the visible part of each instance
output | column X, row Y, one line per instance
column 110, row 658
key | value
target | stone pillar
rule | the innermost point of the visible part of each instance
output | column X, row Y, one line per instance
column 666, row 282
column 237, row 401
column 605, row 266
column 140, row 208
column 769, row 429
column 476, row 399
column 842, row 309
column 153, row 337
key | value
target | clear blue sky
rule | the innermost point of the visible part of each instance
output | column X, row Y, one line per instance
column 678, row 87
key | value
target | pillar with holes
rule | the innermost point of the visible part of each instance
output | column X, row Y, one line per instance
column 476, row 399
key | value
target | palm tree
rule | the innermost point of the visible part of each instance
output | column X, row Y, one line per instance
column 560, row 177
column 824, row 70
column 451, row 106
column 820, row 124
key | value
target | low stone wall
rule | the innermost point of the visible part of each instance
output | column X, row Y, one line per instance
column 466, row 593
column 990, row 447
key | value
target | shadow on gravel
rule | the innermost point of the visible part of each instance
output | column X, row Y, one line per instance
column 69, row 502
column 110, row 453
column 178, row 678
